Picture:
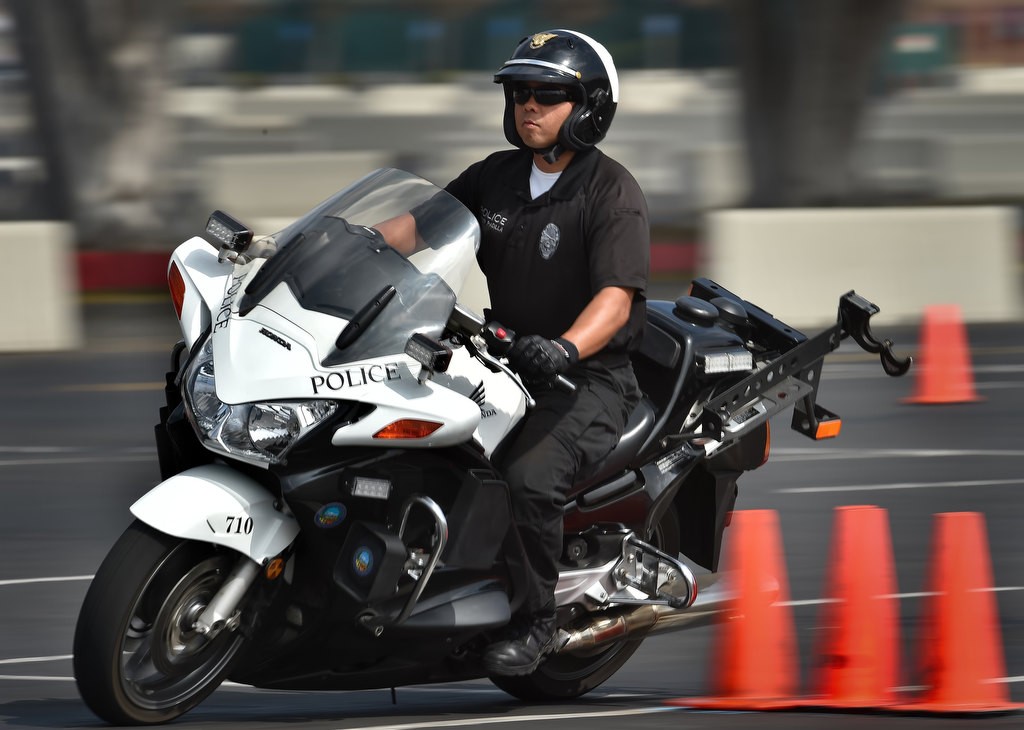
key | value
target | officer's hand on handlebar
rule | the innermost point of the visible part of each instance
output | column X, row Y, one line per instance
column 539, row 360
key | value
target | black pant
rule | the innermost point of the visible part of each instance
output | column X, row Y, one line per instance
column 562, row 436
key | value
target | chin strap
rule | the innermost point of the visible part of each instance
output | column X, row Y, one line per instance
column 552, row 153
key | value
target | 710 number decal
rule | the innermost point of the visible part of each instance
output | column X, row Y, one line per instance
column 234, row 525
column 239, row 525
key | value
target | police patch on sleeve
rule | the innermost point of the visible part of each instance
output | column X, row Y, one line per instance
column 549, row 238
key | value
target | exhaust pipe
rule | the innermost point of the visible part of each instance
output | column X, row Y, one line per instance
column 712, row 599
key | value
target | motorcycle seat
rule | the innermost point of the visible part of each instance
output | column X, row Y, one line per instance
column 638, row 427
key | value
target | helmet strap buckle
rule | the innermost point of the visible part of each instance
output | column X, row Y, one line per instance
column 552, row 153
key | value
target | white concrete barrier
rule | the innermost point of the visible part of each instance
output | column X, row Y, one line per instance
column 797, row 263
column 38, row 288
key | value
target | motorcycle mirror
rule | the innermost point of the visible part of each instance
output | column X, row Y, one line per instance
column 231, row 234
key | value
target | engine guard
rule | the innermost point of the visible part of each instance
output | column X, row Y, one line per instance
column 216, row 504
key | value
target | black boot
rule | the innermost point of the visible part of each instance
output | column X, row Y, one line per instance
column 523, row 647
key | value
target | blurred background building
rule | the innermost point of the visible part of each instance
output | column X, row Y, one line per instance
column 407, row 83
column 131, row 120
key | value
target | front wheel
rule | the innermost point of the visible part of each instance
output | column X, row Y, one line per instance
column 565, row 676
column 137, row 658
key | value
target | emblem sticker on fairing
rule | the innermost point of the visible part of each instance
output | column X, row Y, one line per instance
column 330, row 515
column 549, row 240
column 362, row 561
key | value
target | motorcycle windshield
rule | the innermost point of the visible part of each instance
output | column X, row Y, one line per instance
column 335, row 262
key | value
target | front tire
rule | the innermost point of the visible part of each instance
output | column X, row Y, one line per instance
column 137, row 659
column 566, row 676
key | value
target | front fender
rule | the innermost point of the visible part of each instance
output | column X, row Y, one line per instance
column 216, row 504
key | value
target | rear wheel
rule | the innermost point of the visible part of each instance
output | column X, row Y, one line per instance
column 564, row 676
column 137, row 658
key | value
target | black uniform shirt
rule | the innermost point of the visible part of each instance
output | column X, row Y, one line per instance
column 545, row 259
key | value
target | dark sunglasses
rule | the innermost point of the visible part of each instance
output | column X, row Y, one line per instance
column 545, row 96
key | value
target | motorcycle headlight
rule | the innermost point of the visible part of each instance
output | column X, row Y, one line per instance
column 206, row 407
column 260, row 433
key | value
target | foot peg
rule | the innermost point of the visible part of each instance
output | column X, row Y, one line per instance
column 645, row 575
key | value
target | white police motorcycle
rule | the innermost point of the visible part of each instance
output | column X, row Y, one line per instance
column 329, row 517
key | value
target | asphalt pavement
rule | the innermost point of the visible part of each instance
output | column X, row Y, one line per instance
column 76, row 449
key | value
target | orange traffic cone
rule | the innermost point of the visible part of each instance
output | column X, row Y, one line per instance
column 944, row 374
column 755, row 650
column 961, row 654
column 857, row 658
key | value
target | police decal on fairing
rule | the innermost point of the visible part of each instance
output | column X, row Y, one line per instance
column 356, row 376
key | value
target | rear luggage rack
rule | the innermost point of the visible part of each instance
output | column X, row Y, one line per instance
column 793, row 376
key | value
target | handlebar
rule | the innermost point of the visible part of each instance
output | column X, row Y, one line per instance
column 499, row 341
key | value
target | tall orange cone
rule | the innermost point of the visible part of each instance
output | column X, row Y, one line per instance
column 944, row 374
column 857, row 657
column 755, row 647
column 961, row 653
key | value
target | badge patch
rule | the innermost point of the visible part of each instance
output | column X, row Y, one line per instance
column 549, row 238
column 539, row 39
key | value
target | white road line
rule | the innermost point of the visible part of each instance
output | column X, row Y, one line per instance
column 867, row 370
column 868, row 363
column 74, row 460
column 60, row 579
column 484, row 721
column 40, row 449
column 46, row 455
column 69, row 450
column 225, row 686
column 903, row 485
column 918, row 594
column 826, row 454
column 495, row 720
column 31, row 659
column 109, row 387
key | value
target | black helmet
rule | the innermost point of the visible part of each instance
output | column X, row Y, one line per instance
column 570, row 59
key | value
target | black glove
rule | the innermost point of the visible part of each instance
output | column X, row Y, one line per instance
column 538, row 359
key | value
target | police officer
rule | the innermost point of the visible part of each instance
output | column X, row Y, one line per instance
column 565, row 250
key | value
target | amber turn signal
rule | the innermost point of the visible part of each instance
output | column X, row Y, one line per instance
column 177, row 286
column 407, row 428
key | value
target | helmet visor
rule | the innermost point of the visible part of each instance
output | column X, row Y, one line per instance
column 535, row 69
